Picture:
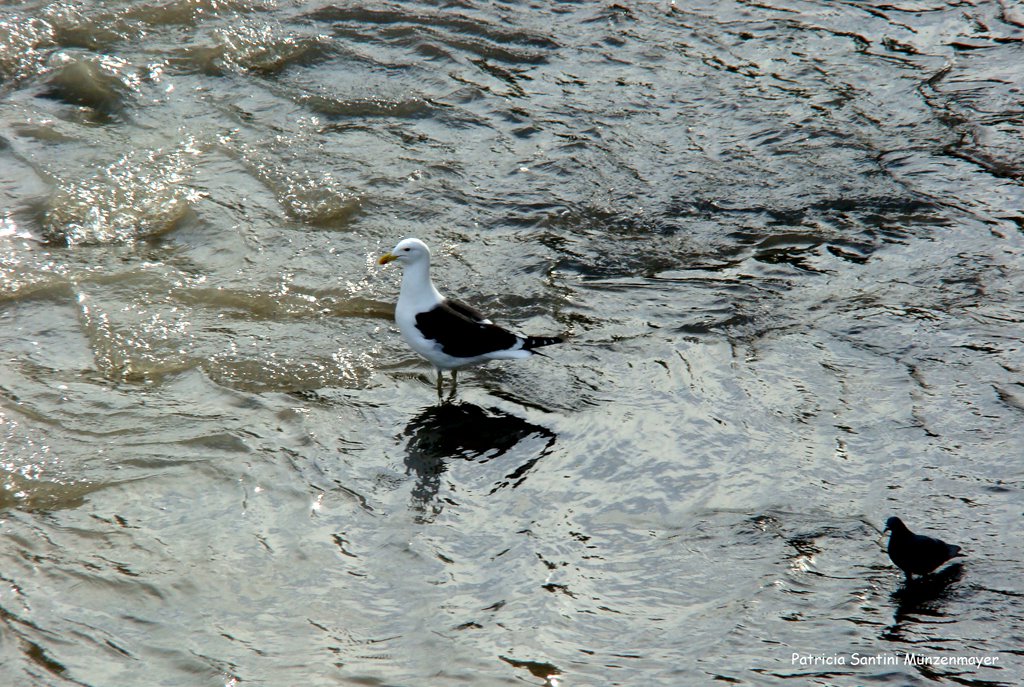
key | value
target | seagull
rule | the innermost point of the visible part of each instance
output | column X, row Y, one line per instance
column 916, row 554
column 449, row 334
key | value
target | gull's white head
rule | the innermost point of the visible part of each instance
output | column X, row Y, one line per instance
column 407, row 252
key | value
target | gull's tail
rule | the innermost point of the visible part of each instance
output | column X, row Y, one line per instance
column 532, row 342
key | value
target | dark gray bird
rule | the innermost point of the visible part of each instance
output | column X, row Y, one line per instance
column 916, row 554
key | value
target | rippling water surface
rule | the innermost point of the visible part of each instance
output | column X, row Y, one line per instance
column 784, row 240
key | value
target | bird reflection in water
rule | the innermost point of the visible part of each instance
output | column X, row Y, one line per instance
column 922, row 600
column 468, row 432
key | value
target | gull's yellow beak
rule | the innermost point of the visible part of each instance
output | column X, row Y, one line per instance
column 386, row 258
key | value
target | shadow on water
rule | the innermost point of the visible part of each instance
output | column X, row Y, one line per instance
column 922, row 602
column 468, row 432
column 545, row 671
column 924, row 597
column 26, row 494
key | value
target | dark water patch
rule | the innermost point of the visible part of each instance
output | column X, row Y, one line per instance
column 596, row 218
column 511, row 77
column 880, row 210
column 793, row 249
column 542, row 670
column 767, row 236
column 402, row 20
column 29, row 493
column 97, row 83
column 39, row 656
column 414, row 108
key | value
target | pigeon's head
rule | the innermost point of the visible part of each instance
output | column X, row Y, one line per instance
column 895, row 524
column 407, row 252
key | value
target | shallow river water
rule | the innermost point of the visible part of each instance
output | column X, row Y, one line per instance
column 783, row 239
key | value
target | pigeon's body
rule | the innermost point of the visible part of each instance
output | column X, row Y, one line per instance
column 917, row 554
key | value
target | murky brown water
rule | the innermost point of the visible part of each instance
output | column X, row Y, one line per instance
column 784, row 238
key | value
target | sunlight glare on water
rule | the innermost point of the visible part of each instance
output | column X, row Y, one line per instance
column 782, row 240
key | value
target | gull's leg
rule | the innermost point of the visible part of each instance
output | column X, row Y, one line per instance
column 440, row 384
column 455, row 382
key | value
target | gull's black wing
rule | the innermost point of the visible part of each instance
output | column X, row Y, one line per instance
column 467, row 311
column 462, row 332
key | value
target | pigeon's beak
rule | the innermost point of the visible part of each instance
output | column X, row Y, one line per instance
column 386, row 258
